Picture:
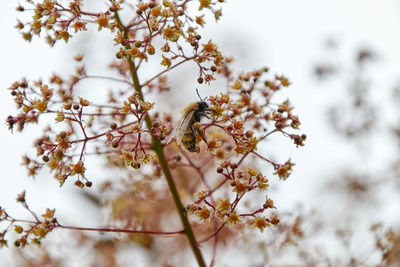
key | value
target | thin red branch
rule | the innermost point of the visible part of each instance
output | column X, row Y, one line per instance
column 116, row 230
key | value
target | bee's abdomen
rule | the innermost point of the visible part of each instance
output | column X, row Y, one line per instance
column 189, row 140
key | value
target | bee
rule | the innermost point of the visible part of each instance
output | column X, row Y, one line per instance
column 187, row 127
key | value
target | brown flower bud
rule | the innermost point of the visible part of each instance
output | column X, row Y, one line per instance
column 138, row 44
column 249, row 134
column 278, row 125
column 79, row 184
column 151, row 50
column 62, row 134
column 115, row 144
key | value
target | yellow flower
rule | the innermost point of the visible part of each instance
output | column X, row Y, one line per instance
column 217, row 110
column 240, row 188
column 204, row 4
column 200, row 20
column 167, row 3
column 18, row 229
column 218, row 14
column 156, row 11
column 166, row 62
column 48, row 4
column 78, row 168
column 3, row 243
column 233, row 218
column 126, row 108
column 64, row 35
column 102, row 21
column 36, row 26
column 60, row 116
column 237, row 85
column 260, row 223
column 79, row 26
column 49, row 213
column 40, row 105
column 127, row 157
column 202, row 194
column 204, row 214
column 223, row 204
column 252, row 172
column 274, row 219
column 171, row 34
column 263, row 183
column 284, row 81
column 151, row 50
column 269, row 204
column 209, row 47
column 285, row 170
column 83, row 102
column 40, row 231
column 146, row 105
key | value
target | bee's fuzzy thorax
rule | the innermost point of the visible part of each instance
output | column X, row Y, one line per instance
column 190, row 107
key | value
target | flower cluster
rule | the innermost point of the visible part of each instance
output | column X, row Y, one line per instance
column 130, row 132
column 30, row 232
column 241, row 119
column 225, row 209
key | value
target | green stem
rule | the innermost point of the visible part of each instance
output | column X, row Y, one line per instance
column 158, row 149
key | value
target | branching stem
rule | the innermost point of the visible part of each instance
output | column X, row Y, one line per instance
column 158, row 149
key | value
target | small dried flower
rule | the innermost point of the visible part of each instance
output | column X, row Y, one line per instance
column 237, row 85
column 102, row 21
column 223, row 205
column 252, row 172
column 260, row 223
column 274, row 219
column 166, row 62
column 285, row 170
column 204, row 4
column 171, row 34
column 49, row 213
column 233, row 218
column 83, row 102
column 204, row 214
column 60, row 116
column 78, row 168
column 18, row 229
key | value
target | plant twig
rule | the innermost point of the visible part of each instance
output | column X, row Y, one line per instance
column 158, row 149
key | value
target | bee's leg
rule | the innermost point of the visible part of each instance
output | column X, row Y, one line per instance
column 201, row 133
column 198, row 115
column 211, row 110
column 202, row 114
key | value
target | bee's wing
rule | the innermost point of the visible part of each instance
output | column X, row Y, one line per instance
column 180, row 128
